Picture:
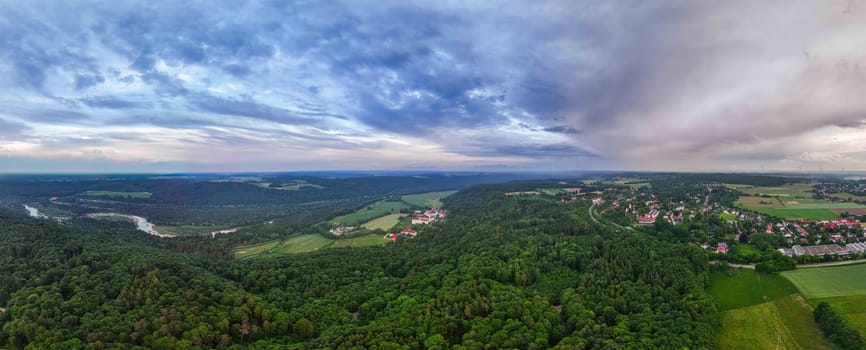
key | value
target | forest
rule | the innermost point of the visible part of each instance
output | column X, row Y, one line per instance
column 500, row 273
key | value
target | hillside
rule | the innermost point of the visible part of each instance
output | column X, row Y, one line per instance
column 501, row 272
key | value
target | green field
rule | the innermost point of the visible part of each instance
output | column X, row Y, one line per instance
column 788, row 190
column 785, row 323
column 360, row 241
column 117, row 194
column 831, row 281
column 429, row 199
column 741, row 288
column 550, row 191
column 189, row 230
column 846, row 196
column 384, row 223
column 303, row 244
column 843, row 287
column 243, row 252
column 790, row 201
column 370, row 212
column 784, row 212
column 727, row 216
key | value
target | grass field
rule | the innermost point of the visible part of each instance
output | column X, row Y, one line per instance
column 741, row 288
column 788, row 190
column 360, row 241
column 370, row 212
column 785, row 323
column 843, row 287
column 727, row 216
column 429, row 199
column 384, row 223
column 550, row 191
column 812, row 214
column 117, row 194
column 846, row 195
column 189, row 230
column 303, row 244
column 243, row 252
column 831, row 281
column 790, row 201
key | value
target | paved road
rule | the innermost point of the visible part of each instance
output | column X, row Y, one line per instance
column 605, row 222
column 802, row 266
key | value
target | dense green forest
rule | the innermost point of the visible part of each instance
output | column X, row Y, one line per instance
column 500, row 273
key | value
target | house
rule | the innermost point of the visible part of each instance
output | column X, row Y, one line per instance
column 646, row 220
column 408, row 231
column 392, row 236
column 722, row 247
column 421, row 220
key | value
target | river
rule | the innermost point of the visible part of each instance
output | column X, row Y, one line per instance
column 33, row 212
column 140, row 223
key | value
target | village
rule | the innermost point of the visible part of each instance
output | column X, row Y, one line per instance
column 419, row 218
column 699, row 214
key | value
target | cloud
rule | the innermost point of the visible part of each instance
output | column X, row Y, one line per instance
column 11, row 130
column 631, row 84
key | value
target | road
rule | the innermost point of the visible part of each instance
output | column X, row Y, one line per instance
column 802, row 266
column 605, row 222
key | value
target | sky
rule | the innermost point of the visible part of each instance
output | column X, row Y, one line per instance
column 202, row 86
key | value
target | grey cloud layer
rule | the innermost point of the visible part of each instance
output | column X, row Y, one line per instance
column 602, row 83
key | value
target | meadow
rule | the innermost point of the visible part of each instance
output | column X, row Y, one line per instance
column 429, row 199
column 727, row 216
column 361, row 241
column 741, row 288
column 384, row 223
column 303, row 244
column 790, row 201
column 830, row 281
column 785, row 323
column 370, row 212
column 117, row 194
column 843, row 287
column 247, row 251
column 762, row 311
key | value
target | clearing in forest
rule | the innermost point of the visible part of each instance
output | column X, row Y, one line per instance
column 384, row 223
column 740, row 288
column 117, row 194
column 429, row 199
column 370, row 212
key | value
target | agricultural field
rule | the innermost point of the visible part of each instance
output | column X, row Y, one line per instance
column 784, row 323
column 741, row 288
column 370, row 212
column 843, row 287
column 429, row 199
column 117, row 194
column 361, row 241
column 762, row 311
column 791, row 201
column 847, row 196
column 794, row 190
column 384, row 223
column 831, row 281
column 244, row 252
